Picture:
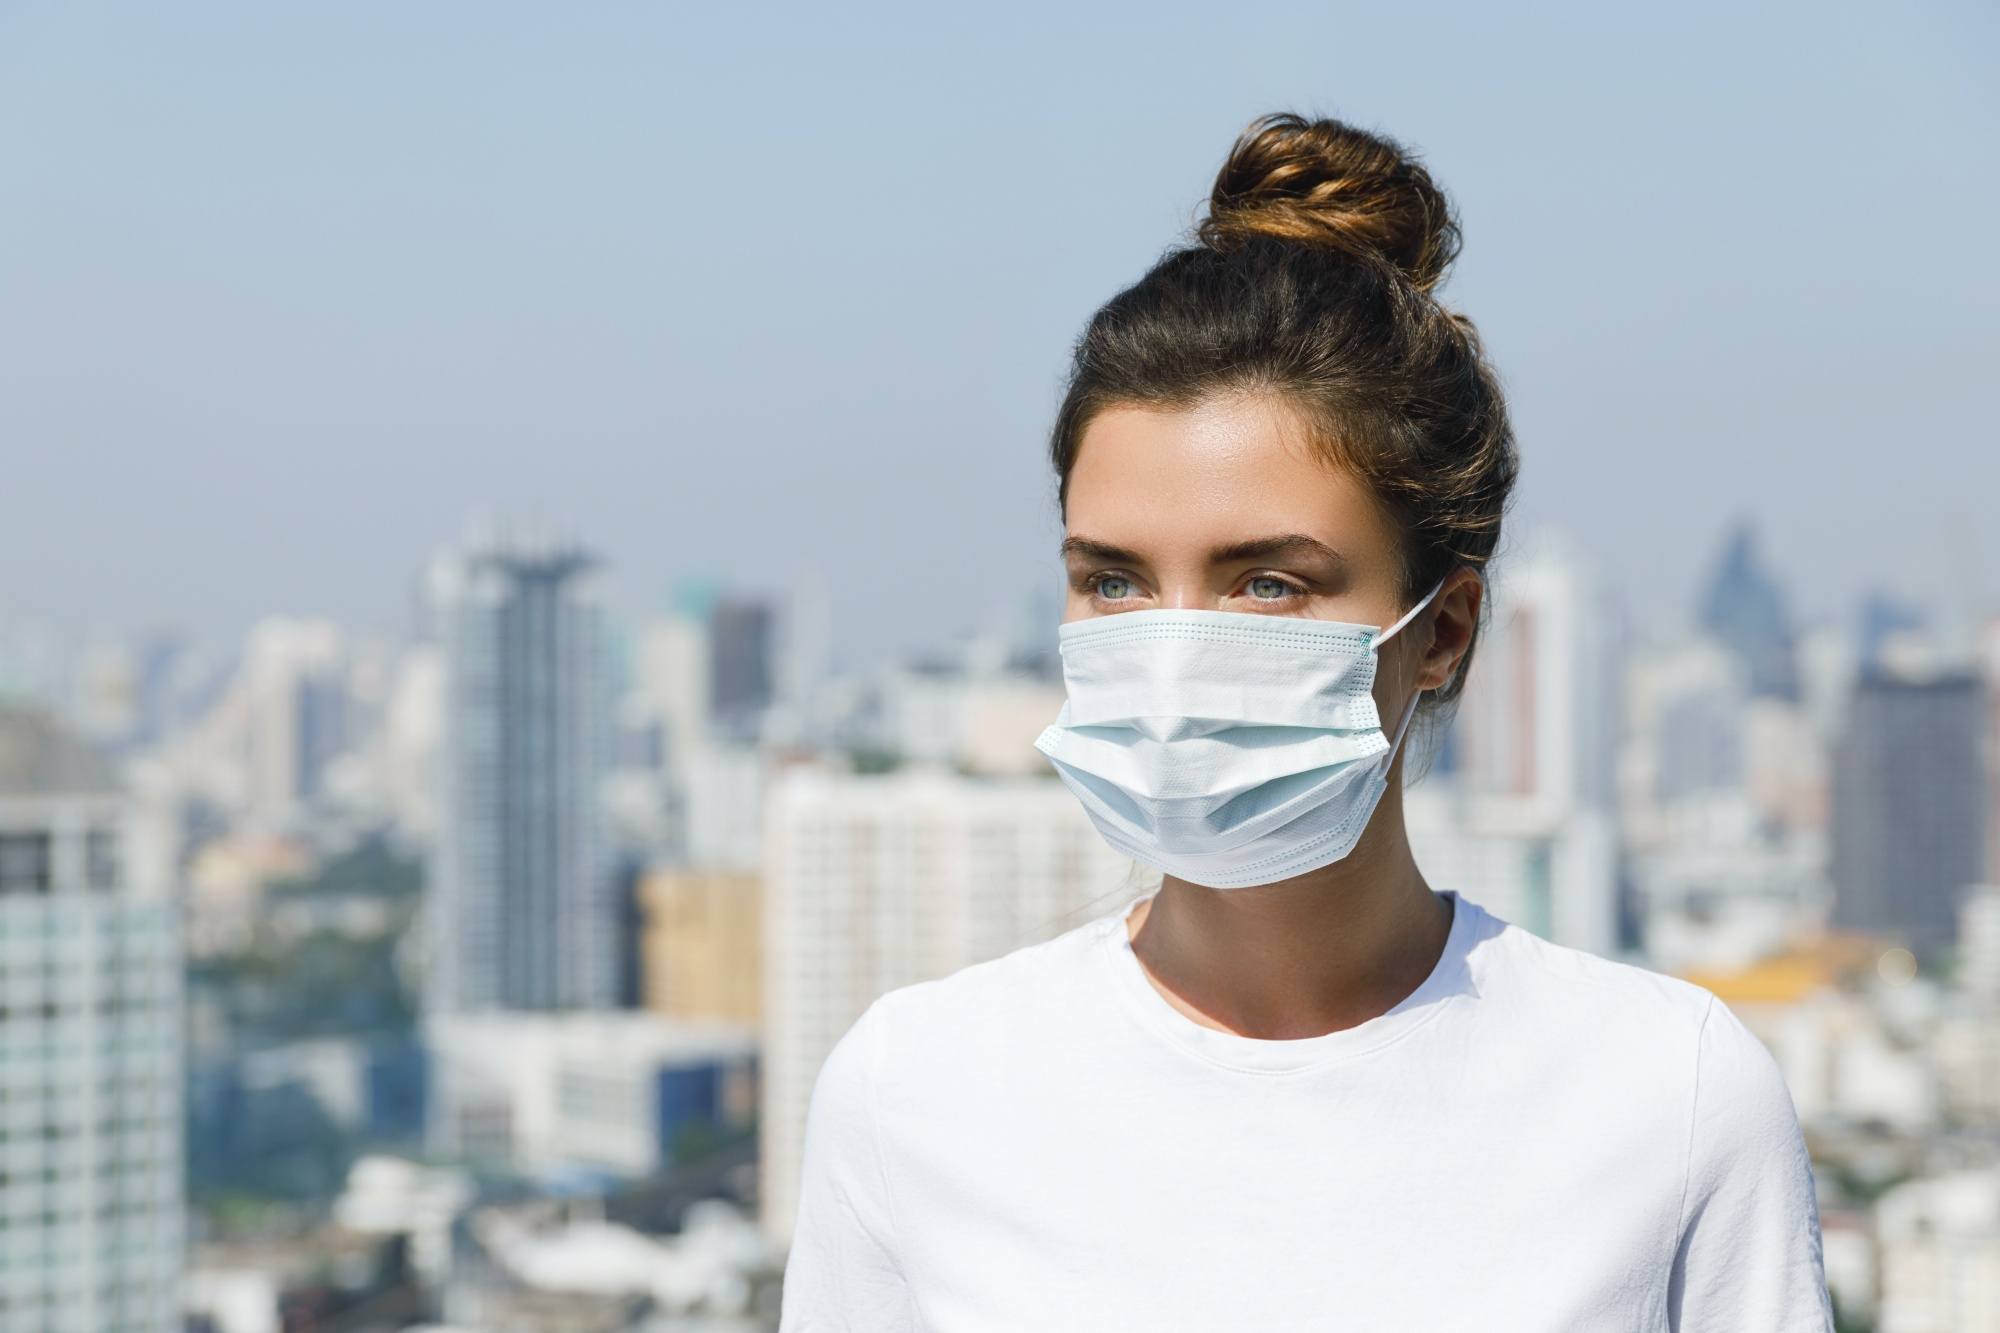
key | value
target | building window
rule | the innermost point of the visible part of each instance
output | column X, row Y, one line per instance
column 100, row 856
column 24, row 862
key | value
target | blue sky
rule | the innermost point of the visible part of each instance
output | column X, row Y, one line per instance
column 292, row 292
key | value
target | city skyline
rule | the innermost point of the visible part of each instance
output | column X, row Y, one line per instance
column 1671, row 803
column 1029, row 617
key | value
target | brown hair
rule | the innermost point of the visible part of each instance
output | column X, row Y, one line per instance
column 1311, row 279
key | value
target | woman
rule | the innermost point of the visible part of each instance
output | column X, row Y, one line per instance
column 1294, row 1087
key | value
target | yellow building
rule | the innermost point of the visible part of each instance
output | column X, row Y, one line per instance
column 1814, row 962
column 701, row 947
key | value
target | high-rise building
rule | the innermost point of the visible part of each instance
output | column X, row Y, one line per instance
column 1909, row 806
column 1745, row 609
column 295, row 679
column 670, row 677
column 875, row 882
column 1539, row 721
column 1528, row 826
column 1688, row 706
column 522, row 910
column 742, row 675
column 90, row 1047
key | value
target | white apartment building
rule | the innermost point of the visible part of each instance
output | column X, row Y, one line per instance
column 90, row 1048
column 1940, row 1254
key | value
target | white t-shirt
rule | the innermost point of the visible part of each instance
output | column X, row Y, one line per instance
column 1534, row 1139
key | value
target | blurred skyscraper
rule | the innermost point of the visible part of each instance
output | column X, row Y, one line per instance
column 295, row 680
column 1745, row 609
column 90, row 1047
column 522, row 910
column 1540, row 717
column 1909, row 806
column 677, row 665
column 1524, row 822
column 742, row 639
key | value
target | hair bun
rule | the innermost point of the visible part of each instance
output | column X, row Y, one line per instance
column 1325, row 183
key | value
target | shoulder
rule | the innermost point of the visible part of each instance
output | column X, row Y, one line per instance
column 1601, row 1029
column 1728, row 1055
column 1565, row 987
column 844, row 1088
column 1731, row 1085
column 1742, row 1104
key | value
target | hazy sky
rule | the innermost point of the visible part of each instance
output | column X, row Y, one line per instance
column 288, row 293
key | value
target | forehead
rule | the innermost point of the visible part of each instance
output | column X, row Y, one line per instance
column 1224, row 470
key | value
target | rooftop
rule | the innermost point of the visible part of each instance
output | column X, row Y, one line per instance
column 40, row 756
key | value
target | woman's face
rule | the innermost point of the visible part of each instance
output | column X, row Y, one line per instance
column 1222, row 507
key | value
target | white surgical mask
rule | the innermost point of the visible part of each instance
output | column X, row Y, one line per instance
column 1226, row 748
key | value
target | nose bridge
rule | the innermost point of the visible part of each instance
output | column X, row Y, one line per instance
column 1185, row 586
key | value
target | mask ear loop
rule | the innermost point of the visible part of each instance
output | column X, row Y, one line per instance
column 1409, row 712
column 1410, row 708
column 1408, row 615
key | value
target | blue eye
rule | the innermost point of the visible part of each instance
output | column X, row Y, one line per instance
column 1267, row 589
column 1114, row 587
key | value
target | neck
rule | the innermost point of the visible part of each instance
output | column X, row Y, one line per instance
column 1316, row 953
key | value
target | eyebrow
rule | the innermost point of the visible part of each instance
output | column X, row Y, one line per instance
column 1257, row 548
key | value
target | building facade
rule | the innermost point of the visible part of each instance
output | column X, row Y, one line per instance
column 522, row 912
column 701, row 947
column 90, row 1049
column 1909, row 807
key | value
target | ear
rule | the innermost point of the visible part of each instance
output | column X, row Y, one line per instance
column 1454, row 616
